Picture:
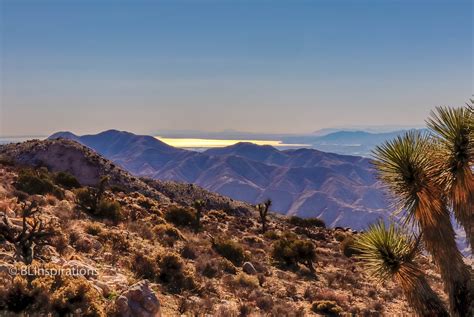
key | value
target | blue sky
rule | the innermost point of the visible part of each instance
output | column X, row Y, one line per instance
column 262, row 66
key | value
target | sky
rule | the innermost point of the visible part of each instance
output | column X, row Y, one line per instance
column 258, row 66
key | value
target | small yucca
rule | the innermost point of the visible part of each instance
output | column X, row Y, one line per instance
column 389, row 253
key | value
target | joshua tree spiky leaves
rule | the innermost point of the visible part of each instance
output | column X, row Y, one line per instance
column 405, row 165
column 453, row 136
column 389, row 253
column 263, row 211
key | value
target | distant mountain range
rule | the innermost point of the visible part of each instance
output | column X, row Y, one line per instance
column 340, row 189
column 360, row 143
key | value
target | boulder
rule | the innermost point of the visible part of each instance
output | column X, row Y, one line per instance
column 248, row 268
column 102, row 287
column 138, row 301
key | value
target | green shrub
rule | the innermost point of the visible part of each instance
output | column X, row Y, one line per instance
column 230, row 250
column 86, row 199
column 289, row 251
column 307, row 222
column 93, row 229
column 66, row 180
column 272, row 235
column 347, row 247
column 7, row 161
column 90, row 201
column 326, row 307
column 37, row 183
column 173, row 275
column 183, row 217
column 109, row 209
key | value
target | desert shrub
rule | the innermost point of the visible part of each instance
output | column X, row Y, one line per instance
column 66, row 180
column 340, row 236
column 109, row 209
column 264, row 302
column 306, row 222
column 245, row 310
column 246, row 280
column 43, row 295
column 119, row 243
column 218, row 214
column 86, row 199
column 117, row 189
column 142, row 229
column 93, row 229
column 289, row 251
column 230, row 250
column 37, row 182
column 188, row 252
column 347, row 247
column 326, row 307
column 272, row 235
column 214, row 267
column 60, row 242
column 167, row 234
column 144, row 266
column 227, row 266
column 89, row 200
column 16, row 297
column 77, row 294
column 183, row 217
column 173, row 274
column 5, row 160
column 209, row 268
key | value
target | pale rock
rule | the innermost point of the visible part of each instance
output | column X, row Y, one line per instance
column 248, row 268
column 138, row 301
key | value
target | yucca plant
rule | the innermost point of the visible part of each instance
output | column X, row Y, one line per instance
column 405, row 166
column 389, row 253
column 452, row 130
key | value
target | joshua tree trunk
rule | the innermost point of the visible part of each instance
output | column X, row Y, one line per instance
column 439, row 239
column 418, row 292
column 263, row 211
column 462, row 196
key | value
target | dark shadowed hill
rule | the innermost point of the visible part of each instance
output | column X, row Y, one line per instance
column 340, row 189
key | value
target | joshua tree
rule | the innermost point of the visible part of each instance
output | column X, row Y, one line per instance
column 390, row 254
column 405, row 165
column 31, row 234
column 263, row 211
column 199, row 206
column 453, row 135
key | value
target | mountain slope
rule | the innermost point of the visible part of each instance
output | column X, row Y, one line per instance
column 340, row 189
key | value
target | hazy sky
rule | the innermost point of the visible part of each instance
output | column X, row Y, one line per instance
column 262, row 66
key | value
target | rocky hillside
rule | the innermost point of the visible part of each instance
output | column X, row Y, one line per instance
column 88, row 167
column 139, row 252
column 340, row 189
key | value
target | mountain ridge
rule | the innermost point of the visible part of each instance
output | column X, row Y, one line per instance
column 341, row 189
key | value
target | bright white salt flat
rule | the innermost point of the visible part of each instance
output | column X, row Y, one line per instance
column 212, row 143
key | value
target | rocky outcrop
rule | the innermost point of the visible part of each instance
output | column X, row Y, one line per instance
column 138, row 301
